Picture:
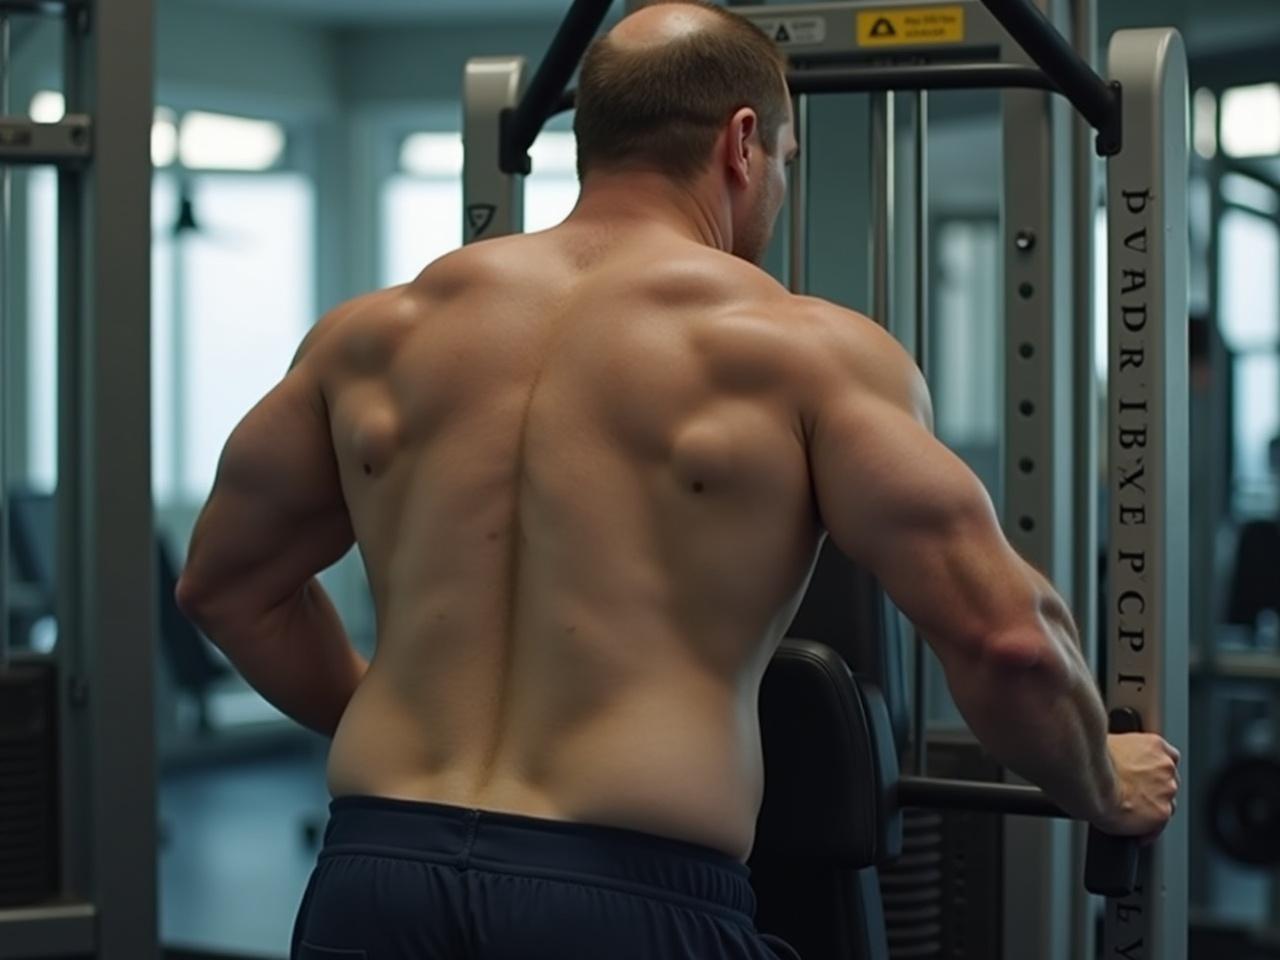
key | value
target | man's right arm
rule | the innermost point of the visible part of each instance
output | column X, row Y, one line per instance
column 903, row 506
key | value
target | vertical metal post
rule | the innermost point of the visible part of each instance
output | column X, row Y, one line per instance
column 106, row 583
column 75, row 730
column 920, row 172
column 1148, row 579
column 882, row 209
column 1084, row 490
column 1037, row 454
column 492, row 201
column 798, row 202
column 6, row 359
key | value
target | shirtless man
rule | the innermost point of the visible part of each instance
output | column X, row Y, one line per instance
column 588, row 471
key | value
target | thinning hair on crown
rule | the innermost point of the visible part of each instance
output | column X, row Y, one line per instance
column 661, row 105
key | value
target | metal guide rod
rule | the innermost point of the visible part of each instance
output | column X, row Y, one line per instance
column 1148, row 579
column 1084, row 484
column 1083, row 366
column 798, row 199
column 920, row 170
column 1098, row 101
column 523, row 124
column 882, row 209
column 5, row 359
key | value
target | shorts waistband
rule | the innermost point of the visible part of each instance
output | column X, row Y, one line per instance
column 646, row 864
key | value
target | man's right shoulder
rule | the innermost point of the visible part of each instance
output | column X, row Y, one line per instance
column 849, row 354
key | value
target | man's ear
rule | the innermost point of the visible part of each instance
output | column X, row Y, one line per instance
column 742, row 140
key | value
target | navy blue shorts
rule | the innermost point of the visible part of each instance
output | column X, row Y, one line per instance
column 399, row 880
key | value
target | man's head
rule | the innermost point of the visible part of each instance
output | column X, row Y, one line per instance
column 691, row 91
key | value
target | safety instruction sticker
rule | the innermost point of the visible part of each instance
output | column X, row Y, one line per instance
column 794, row 31
column 910, row 26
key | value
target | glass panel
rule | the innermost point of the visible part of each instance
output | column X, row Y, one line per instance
column 214, row 141
column 432, row 154
column 1249, row 289
column 1251, row 120
column 421, row 221
column 1257, row 421
column 29, row 619
column 552, row 189
column 967, row 336
column 42, row 330
column 422, row 206
column 47, row 106
column 247, row 300
column 1247, row 192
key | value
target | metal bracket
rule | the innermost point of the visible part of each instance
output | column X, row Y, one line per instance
column 66, row 143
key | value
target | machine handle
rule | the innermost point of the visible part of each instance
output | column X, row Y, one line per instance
column 1111, row 863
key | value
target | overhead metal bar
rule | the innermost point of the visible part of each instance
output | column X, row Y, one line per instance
column 873, row 79
column 521, row 125
column 1095, row 99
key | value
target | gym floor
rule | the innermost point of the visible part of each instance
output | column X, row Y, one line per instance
column 234, row 857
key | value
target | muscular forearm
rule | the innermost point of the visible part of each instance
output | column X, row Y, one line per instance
column 297, row 656
column 1041, row 715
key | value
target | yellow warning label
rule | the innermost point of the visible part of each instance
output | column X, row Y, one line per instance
column 910, row 26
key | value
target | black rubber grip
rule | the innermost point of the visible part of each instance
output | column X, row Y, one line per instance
column 1111, row 864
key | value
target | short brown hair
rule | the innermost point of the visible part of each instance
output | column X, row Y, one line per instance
column 661, row 107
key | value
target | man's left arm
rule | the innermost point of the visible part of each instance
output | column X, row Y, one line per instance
column 277, row 517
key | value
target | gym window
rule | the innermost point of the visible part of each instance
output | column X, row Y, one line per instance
column 1251, row 120
column 203, row 141
column 232, row 289
column 421, row 203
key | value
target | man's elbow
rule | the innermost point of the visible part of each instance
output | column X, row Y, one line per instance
column 209, row 606
column 1027, row 653
column 191, row 597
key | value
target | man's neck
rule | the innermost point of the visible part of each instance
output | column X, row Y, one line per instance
column 651, row 198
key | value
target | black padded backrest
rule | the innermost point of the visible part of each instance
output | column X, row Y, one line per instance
column 831, row 766
column 845, row 608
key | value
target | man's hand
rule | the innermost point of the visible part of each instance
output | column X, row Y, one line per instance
column 1147, row 784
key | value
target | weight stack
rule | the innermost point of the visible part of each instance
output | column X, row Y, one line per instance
column 943, row 896
column 29, row 807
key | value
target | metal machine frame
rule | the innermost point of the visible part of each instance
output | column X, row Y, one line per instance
column 106, row 583
column 1148, row 586
column 1134, row 117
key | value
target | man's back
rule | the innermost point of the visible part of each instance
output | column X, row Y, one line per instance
column 576, row 467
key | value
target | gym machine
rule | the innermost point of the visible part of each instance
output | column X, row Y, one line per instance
column 78, row 821
column 1139, row 120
